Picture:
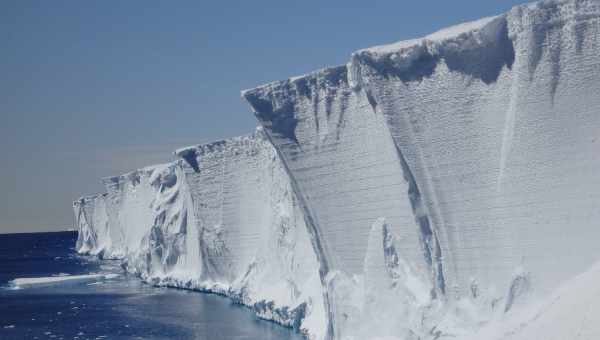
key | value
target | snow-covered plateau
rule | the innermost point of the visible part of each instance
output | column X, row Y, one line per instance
column 442, row 187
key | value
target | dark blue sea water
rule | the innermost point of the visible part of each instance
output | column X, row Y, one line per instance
column 123, row 308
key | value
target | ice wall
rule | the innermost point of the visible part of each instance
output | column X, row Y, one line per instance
column 252, row 234
column 348, row 173
column 500, row 132
column 223, row 219
column 422, row 190
column 167, row 253
column 90, row 220
column 478, row 144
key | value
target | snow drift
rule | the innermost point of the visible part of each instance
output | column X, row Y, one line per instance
column 439, row 187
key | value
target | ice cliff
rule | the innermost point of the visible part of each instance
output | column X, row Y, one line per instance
column 478, row 144
column 439, row 187
column 222, row 219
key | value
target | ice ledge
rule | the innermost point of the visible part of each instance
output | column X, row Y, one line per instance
column 329, row 76
column 131, row 176
column 479, row 49
column 462, row 46
column 220, row 145
column 440, row 36
column 83, row 200
column 403, row 54
column 193, row 154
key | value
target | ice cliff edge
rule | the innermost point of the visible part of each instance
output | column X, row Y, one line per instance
column 478, row 144
column 438, row 187
column 222, row 219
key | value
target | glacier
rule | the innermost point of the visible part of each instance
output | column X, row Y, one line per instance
column 433, row 188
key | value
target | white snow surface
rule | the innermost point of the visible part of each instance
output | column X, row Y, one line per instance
column 31, row 282
column 440, row 36
column 571, row 312
column 442, row 187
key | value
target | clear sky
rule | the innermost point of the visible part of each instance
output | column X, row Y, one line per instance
column 90, row 89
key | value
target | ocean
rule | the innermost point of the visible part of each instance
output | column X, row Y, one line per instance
column 118, row 308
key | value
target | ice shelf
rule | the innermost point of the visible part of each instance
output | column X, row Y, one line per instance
column 440, row 187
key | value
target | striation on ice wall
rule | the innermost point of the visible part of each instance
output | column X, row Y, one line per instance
column 477, row 143
column 223, row 219
column 347, row 173
column 252, row 233
column 438, row 187
column 500, row 134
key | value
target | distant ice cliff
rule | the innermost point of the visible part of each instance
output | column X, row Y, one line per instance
column 223, row 219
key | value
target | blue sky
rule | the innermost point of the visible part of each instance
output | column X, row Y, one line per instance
column 90, row 89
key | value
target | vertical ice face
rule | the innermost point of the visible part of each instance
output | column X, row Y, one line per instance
column 347, row 173
column 485, row 134
column 224, row 219
column 501, row 134
column 113, row 224
column 413, row 193
column 143, row 220
column 444, row 99
column 91, row 220
column 252, row 235
column 85, row 211
column 128, row 212
column 114, row 247
column 169, row 250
